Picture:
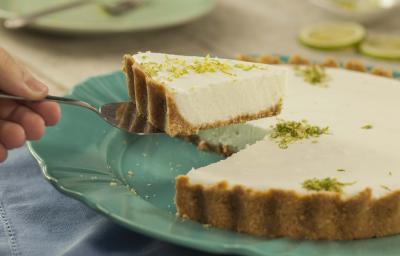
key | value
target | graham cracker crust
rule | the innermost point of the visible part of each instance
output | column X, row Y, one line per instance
column 158, row 105
column 224, row 150
column 284, row 213
column 128, row 118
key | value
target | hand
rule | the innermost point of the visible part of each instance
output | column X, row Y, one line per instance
column 22, row 121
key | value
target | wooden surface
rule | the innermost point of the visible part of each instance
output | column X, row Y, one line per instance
column 234, row 26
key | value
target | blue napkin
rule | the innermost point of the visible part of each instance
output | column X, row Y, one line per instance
column 36, row 219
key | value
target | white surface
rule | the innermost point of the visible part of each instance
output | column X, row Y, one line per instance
column 234, row 26
column 209, row 97
column 350, row 101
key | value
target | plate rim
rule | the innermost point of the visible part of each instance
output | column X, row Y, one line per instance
column 115, row 218
column 178, row 240
column 173, row 239
column 56, row 29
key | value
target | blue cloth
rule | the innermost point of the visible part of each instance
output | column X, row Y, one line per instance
column 36, row 219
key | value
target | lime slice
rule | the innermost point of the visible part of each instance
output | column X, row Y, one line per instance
column 331, row 36
column 382, row 46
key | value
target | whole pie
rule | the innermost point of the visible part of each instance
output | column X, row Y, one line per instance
column 327, row 167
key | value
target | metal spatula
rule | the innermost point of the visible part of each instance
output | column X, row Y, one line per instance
column 122, row 115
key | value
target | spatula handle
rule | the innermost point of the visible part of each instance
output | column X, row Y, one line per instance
column 62, row 100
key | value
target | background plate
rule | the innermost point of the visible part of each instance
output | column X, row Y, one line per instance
column 101, row 166
column 92, row 19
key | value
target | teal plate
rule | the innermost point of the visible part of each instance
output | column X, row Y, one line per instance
column 90, row 18
column 85, row 158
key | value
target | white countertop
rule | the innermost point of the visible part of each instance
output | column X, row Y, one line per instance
column 234, row 26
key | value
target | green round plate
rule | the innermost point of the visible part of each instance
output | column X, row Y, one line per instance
column 91, row 18
column 89, row 160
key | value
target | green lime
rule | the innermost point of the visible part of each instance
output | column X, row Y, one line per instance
column 330, row 36
column 382, row 46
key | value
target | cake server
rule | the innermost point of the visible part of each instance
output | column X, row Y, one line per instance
column 122, row 115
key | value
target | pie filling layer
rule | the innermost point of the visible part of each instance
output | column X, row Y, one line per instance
column 360, row 148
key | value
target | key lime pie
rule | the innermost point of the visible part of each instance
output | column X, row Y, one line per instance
column 327, row 167
column 182, row 94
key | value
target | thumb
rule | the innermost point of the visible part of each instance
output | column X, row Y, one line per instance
column 18, row 81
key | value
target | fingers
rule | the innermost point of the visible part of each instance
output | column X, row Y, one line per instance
column 19, row 122
column 3, row 153
column 33, row 123
column 50, row 111
column 12, row 135
column 17, row 80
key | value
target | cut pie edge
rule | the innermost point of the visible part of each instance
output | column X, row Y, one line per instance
column 329, row 62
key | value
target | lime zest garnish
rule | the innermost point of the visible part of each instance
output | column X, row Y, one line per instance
column 176, row 67
column 287, row 132
column 246, row 67
column 313, row 74
column 326, row 184
column 367, row 127
column 151, row 68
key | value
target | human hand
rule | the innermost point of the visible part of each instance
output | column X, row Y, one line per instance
column 22, row 121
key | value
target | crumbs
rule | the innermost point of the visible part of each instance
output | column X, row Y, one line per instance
column 113, row 183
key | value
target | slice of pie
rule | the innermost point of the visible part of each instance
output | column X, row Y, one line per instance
column 327, row 168
column 182, row 94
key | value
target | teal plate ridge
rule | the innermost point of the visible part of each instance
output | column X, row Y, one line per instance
column 131, row 179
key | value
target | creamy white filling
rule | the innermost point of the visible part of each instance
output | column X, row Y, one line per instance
column 369, row 157
column 210, row 97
